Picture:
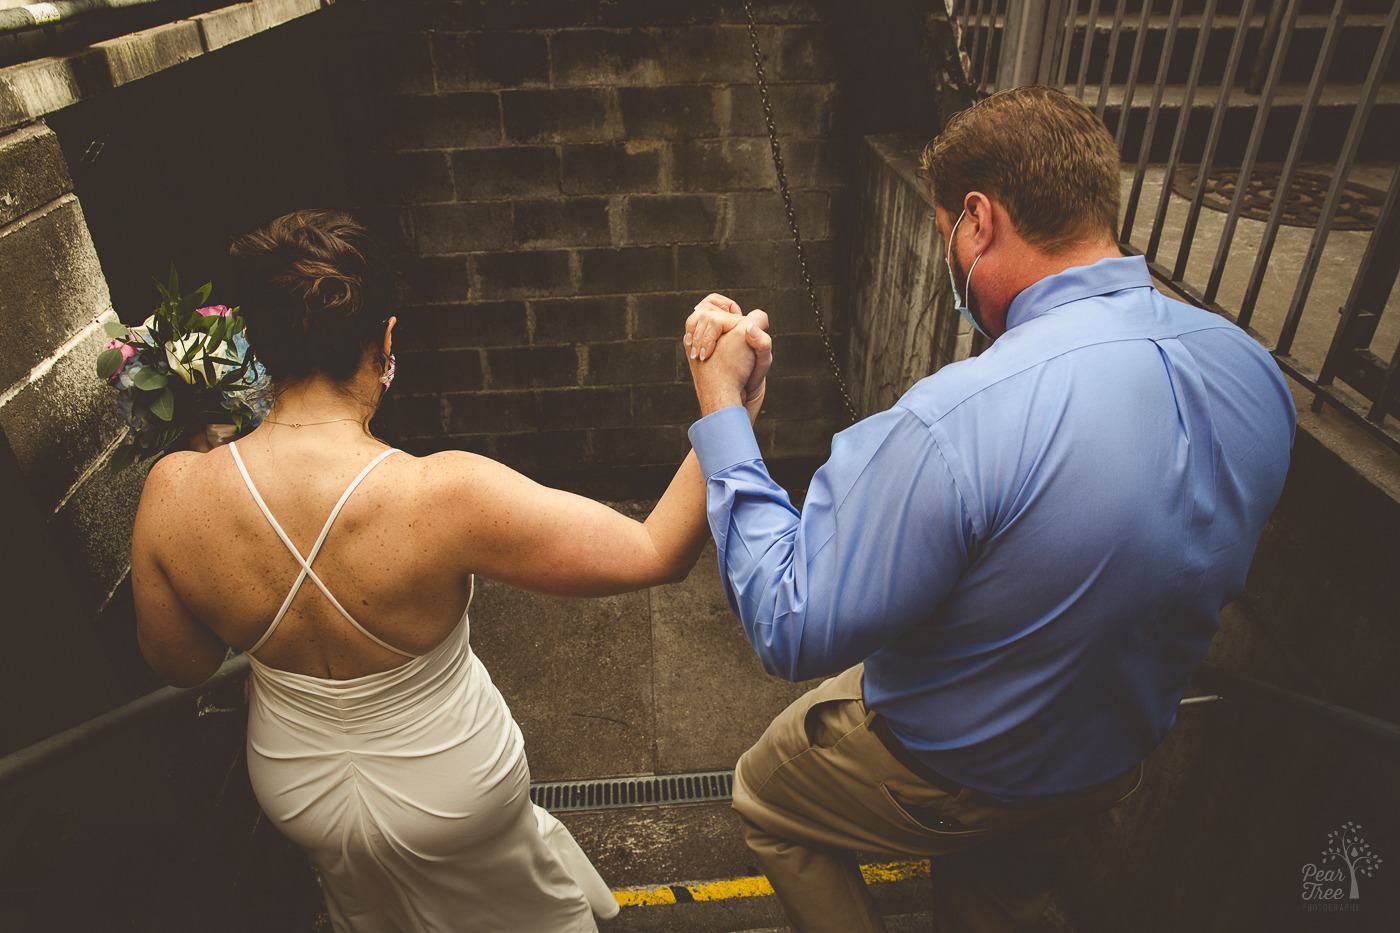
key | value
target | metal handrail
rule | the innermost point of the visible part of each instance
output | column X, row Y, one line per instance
column 1273, row 699
column 1224, row 684
column 71, row 741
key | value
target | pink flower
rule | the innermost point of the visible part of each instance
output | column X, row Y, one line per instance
column 216, row 311
column 128, row 354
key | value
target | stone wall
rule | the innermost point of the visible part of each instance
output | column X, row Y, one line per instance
column 573, row 177
column 905, row 326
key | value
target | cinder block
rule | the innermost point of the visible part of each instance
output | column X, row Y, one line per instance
column 440, row 327
column 511, row 172
column 561, row 115
column 33, row 172
column 802, row 398
column 799, row 110
column 804, row 438
column 525, row 274
column 93, row 531
column 708, row 55
column 59, row 424
column 665, row 404
column 814, row 163
column 720, row 268
column 496, row 412
column 776, row 11
column 139, row 54
column 242, row 20
column 626, row 271
column 393, row 62
column 607, row 58
column 435, row 372
column 579, row 320
column 662, row 314
column 634, row 362
column 51, row 286
column 738, row 164
column 413, row 177
column 439, row 280
column 562, row 222
column 641, row 445
column 805, row 354
column 532, row 367
column 676, row 112
column 461, row 227
column 667, row 218
column 614, row 168
column 760, row 215
column 467, row 120
column 825, row 264
column 495, row 14
column 800, row 52
column 419, row 415
column 584, row 408
column 537, row 452
column 490, row 60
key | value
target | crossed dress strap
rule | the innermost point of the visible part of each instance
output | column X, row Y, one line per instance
column 307, row 561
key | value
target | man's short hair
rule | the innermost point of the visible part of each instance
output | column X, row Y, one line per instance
column 1040, row 152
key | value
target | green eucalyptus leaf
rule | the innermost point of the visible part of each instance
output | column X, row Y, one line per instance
column 149, row 379
column 164, row 405
column 109, row 362
column 173, row 287
column 123, row 457
column 203, row 292
column 116, row 329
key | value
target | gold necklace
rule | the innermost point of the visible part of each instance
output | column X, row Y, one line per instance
column 307, row 424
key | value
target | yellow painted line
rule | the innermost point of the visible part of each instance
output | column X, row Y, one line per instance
column 755, row 886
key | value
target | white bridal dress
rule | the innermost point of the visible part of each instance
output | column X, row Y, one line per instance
column 409, row 789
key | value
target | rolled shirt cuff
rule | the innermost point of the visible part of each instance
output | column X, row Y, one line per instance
column 724, row 438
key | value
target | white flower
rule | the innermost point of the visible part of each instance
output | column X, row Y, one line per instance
column 180, row 347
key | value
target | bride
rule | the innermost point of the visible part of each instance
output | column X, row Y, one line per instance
column 344, row 570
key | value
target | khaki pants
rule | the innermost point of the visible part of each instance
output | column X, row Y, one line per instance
column 820, row 783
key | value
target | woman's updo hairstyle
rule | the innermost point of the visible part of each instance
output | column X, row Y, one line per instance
column 315, row 292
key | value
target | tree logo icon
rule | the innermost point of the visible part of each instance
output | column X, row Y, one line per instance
column 1345, row 847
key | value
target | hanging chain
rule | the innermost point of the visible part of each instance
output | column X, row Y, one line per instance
column 792, row 213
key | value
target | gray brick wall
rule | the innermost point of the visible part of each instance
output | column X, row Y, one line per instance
column 68, row 521
column 571, row 178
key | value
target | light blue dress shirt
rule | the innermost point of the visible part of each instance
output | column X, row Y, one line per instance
column 1030, row 550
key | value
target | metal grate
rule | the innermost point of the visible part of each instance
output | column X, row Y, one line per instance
column 1358, row 208
column 624, row 792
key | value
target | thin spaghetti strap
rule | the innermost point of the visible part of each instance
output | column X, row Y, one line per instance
column 305, row 562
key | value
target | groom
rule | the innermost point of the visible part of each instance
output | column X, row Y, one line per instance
column 1013, row 572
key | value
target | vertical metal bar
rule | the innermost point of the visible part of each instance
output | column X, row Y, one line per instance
column 1290, row 164
column 987, row 38
column 1266, row 41
column 1182, row 121
column 1375, row 279
column 973, row 13
column 1069, row 23
column 1145, row 147
column 1131, row 87
column 1389, row 394
column 1090, row 31
column 1050, row 42
column 1106, row 78
column 1217, row 123
column 1251, row 152
column 1360, row 117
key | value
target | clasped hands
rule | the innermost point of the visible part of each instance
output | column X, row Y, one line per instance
column 729, row 353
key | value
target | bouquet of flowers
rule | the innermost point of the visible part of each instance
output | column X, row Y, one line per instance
column 186, row 367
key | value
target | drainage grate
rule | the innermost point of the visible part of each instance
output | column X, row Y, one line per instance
column 618, row 793
column 1358, row 208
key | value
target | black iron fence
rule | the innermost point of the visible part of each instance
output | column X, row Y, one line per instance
column 1260, row 162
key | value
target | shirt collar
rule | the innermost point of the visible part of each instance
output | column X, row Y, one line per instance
column 1076, row 283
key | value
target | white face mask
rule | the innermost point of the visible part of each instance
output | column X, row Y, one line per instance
column 952, row 280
